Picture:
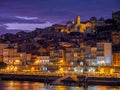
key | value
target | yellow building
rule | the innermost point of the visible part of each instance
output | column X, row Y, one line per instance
column 116, row 59
column 42, row 60
column 24, row 57
column 74, row 26
column 2, row 46
column 10, row 55
column 77, row 26
column 16, row 61
column 28, row 57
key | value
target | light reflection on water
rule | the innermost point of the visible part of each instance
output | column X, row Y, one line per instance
column 17, row 85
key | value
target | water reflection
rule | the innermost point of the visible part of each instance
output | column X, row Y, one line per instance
column 17, row 85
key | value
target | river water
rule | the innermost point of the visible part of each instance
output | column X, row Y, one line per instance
column 20, row 85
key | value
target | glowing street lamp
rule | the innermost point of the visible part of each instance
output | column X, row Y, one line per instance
column 36, row 62
column 15, row 69
column 32, row 69
column 17, row 62
column 61, row 70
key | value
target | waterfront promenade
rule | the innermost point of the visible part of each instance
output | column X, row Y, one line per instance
column 70, row 80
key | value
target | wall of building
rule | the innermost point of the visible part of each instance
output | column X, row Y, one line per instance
column 116, row 59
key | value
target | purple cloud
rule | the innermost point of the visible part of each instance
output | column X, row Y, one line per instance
column 26, row 18
column 19, row 19
column 26, row 26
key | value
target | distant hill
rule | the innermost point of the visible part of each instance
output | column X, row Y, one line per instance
column 11, row 31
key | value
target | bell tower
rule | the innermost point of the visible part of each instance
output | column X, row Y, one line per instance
column 78, row 20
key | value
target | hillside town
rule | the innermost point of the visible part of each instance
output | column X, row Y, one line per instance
column 91, row 47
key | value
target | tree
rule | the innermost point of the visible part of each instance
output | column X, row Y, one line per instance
column 3, row 65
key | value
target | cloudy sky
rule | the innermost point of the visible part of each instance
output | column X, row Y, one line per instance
column 26, row 15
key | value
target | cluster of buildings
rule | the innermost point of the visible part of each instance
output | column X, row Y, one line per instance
column 77, row 47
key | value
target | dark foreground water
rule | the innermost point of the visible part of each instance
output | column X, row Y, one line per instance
column 17, row 85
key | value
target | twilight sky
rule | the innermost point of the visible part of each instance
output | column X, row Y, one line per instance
column 29, row 14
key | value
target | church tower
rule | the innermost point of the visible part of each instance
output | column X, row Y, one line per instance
column 78, row 20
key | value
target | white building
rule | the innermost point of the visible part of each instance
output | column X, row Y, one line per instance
column 104, row 53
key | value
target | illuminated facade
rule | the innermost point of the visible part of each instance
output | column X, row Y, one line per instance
column 116, row 59
column 75, row 55
column 24, row 58
column 42, row 60
column 115, row 37
column 72, row 55
column 2, row 46
column 11, row 58
column 10, row 55
column 104, row 53
column 56, row 55
column 77, row 26
column 99, row 55
column 90, row 55
column 74, row 26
